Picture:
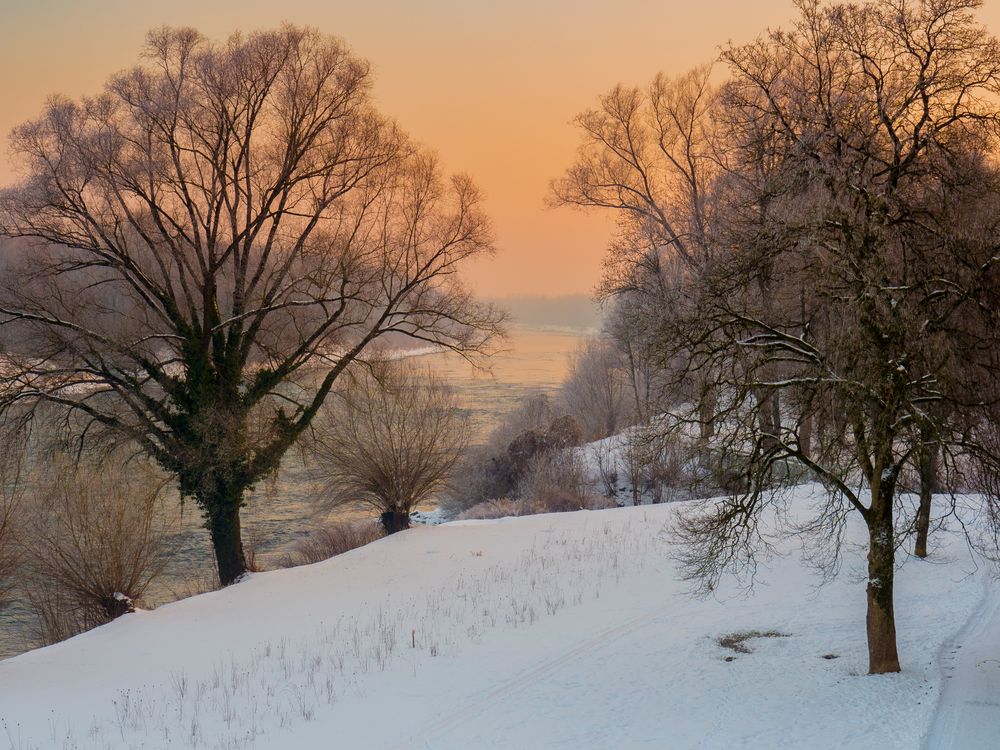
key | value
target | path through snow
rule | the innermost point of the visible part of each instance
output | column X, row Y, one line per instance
column 968, row 711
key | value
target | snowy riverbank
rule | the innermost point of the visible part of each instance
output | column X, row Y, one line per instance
column 554, row 631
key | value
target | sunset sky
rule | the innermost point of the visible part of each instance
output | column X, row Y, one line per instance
column 491, row 86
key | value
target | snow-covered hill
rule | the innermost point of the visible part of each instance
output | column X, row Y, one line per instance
column 556, row 631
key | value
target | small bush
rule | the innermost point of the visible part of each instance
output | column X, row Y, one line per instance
column 554, row 482
column 488, row 509
column 667, row 470
column 388, row 442
column 658, row 464
column 252, row 544
column 557, row 482
column 58, row 615
column 500, row 468
column 194, row 581
column 93, row 543
column 607, row 468
column 10, row 496
column 507, row 508
column 330, row 540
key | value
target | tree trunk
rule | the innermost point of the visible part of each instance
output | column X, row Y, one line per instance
column 223, row 520
column 775, row 400
column 768, row 416
column 928, row 485
column 395, row 520
column 116, row 605
column 707, row 406
column 805, row 435
column 640, row 411
column 838, row 421
column 881, row 620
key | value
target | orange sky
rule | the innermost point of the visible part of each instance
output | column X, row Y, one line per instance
column 491, row 86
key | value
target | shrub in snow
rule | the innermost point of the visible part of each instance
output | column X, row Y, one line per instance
column 329, row 540
column 93, row 543
column 11, row 490
column 500, row 469
column 556, row 482
column 564, row 432
column 388, row 443
column 500, row 508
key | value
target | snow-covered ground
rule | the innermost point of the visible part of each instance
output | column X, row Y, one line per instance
column 968, row 710
column 556, row 631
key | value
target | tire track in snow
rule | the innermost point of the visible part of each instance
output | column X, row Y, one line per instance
column 525, row 678
column 967, row 714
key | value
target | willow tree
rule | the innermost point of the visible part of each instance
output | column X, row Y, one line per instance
column 388, row 442
column 210, row 242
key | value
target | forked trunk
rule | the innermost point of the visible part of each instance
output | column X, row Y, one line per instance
column 116, row 605
column 881, row 620
column 768, row 416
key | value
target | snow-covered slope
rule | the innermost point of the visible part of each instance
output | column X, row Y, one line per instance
column 557, row 631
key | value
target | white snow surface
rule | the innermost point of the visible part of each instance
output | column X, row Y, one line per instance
column 558, row 631
column 968, row 710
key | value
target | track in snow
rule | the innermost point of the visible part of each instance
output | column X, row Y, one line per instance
column 968, row 711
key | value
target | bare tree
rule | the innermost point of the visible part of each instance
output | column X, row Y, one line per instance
column 879, row 117
column 647, row 154
column 218, row 236
column 595, row 389
column 388, row 442
column 650, row 156
column 637, row 459
column 633, row 324
column 94, row 539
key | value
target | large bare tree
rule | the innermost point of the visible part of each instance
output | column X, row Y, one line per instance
column 211, row 242
column 818, row 237
column 649, row 156
column 879, row 318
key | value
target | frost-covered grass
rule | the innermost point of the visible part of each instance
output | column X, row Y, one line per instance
column 565, row 630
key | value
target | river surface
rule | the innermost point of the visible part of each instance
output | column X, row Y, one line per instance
column 283, row 510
